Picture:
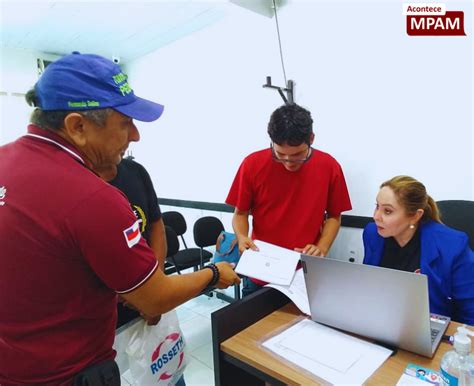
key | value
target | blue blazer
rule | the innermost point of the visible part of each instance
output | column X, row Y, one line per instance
column 446, row 259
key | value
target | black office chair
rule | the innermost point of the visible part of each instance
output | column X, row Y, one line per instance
column 206, row 231
column 458, row 214
column 173, row 247
column 176, row 221
column 187, row 257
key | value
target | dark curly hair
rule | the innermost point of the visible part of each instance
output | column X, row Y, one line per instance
column 290, row 124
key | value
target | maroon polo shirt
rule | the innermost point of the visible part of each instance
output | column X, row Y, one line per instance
column 68, row 245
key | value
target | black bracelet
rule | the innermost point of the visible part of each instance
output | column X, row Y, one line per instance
column 215, row 274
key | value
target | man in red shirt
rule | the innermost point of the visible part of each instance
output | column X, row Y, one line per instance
column 69, row 241
column 294, row 193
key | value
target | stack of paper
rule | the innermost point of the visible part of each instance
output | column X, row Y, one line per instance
column 296, row 291
column 329, row 354
column 271, row 263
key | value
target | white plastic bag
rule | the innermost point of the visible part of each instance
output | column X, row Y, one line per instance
column 156, row 353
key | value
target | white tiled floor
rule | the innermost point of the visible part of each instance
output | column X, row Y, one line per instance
column 195, row 322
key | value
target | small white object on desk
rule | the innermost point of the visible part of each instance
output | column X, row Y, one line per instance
column 415, row 375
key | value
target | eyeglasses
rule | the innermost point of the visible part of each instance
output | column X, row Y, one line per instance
column 291, row 159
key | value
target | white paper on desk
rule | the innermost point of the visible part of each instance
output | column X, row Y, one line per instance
column 329, row 354
column 296, row 291
column 271, row 263
column 332, row 350
column 406, row 380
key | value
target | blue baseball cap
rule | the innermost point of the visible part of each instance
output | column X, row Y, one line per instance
column 85, row 82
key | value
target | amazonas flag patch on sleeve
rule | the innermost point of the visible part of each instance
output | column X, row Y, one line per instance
column 132, row 234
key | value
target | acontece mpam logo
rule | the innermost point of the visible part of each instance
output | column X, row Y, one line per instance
column 432, row 19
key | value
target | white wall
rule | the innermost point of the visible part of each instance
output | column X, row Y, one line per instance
column 19, row 72
column 215, row 107
column 383, row 103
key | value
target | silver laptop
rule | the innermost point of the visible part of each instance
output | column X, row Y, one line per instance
column 387, row 305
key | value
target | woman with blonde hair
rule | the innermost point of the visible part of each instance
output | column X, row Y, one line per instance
column 408, row 235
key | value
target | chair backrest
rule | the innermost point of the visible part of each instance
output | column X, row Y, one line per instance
column 206, row 230
column 176, row 221
column 458, row 214
column 172, row 241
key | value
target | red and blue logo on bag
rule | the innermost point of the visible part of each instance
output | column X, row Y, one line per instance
column 174, row 354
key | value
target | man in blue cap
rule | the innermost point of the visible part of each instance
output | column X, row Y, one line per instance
column 70, row 242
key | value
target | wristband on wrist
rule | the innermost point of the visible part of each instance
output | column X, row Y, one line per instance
column 215, row 274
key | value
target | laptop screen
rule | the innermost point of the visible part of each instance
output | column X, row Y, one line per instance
column 387, row 305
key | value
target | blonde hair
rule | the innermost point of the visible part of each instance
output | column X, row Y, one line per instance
column 412, row 195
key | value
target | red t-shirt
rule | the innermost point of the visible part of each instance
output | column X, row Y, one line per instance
column 68, row 245
column 288, row 208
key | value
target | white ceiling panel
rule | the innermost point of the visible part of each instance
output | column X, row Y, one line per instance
column 110, row 28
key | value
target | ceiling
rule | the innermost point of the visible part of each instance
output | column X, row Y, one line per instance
column 124, row 29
